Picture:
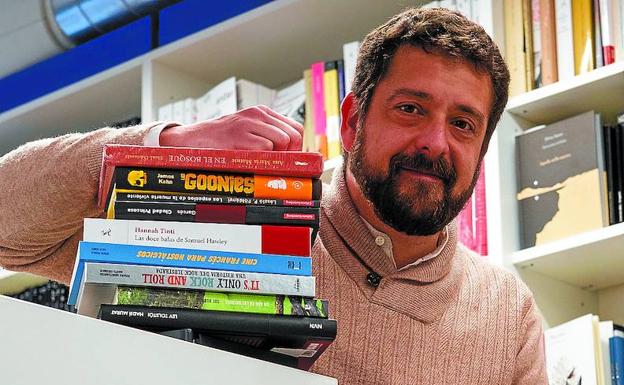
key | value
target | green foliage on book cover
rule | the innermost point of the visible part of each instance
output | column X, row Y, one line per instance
column 233, row 302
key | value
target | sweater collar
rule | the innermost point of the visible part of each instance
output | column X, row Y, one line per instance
column 427, row 289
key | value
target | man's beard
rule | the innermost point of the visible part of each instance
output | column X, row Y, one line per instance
column 417, row 212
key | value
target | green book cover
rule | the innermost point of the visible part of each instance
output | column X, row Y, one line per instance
column 232, row 302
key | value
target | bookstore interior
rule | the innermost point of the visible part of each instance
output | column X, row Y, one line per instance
column 189, row 246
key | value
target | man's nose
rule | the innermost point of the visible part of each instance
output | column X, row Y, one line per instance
column 432, row 139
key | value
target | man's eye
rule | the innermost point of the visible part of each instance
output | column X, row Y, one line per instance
column 463, row 125
column 408, row 108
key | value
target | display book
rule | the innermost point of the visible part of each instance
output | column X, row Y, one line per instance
column 209, row 275
column 566, row 170
column 585, row 351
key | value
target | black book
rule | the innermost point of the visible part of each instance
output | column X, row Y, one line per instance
column 617, row 137
column 610, row 144
column 297, row 336
column 212, row 199
column 301, row 362
column 217, row 213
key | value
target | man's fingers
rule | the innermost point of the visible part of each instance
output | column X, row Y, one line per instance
column 254, row 142
column 292, row 123
column 277, row 135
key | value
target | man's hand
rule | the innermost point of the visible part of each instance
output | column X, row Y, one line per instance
column 254, row 128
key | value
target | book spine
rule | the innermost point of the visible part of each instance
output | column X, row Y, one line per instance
column 619, row 174
column 199, row 279
column 252, row 239
column 606, row 27
column 514, row 46
column 537, row 44
column 350, row 54
column 211, row 199
column 341, row 81
column 213, row 213
column 565, row 39
column 188, row 258
column 609, row 165
column 597, row 34
column 527, row 29
column 272, row 326
column 616, row 355
column 548, row 33
column 318, row 95
column 582, row 17
column 309, row 134
column 217, row 301
column 198, row 182
column 283, row 163
column 332, row 107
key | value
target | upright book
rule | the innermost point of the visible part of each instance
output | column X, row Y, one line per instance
column 561, row 177
column 281, row 163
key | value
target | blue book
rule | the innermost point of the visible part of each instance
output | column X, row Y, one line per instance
column 188, row 258
column 341, row 79
column 616, row 354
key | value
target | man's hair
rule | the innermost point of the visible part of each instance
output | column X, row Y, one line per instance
column 434, row 30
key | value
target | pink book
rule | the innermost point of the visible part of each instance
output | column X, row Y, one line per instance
column 318, row 95
column 472, row 220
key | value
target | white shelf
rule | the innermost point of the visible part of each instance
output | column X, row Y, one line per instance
column 94, row 102
column 98, row 352
column 601, row 90
column 272, row 44
column 13, row 283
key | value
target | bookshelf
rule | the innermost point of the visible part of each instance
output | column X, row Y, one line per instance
column 576, row 275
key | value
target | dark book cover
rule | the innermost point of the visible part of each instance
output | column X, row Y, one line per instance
column 561, row 179
column 618, row 136
column 216, row 183
column 611, row 169
column 296, row 336
column 215, row 213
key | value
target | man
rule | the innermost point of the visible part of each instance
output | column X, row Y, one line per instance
column 413, row 306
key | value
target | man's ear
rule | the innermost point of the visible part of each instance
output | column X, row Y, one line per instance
column 348, row 124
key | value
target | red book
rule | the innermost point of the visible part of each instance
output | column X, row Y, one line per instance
column 282, row 163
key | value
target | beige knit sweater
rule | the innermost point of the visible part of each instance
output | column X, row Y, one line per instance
column 450, row 320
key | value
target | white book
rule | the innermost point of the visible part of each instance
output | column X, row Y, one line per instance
column 100, row 281
column 618, row 28
column 219, row 101
column 565, row 39
column 165, row 113
column 573, row 352
column 250, row 94
column 178, row 111
column 185, row 235
column 190, row 113
column 431, row 4
column 465, row 8
column 349, row 55
column 448, row 4
column 289, row 100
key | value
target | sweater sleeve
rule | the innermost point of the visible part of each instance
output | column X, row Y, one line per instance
column 530, row 366
column 48, row 187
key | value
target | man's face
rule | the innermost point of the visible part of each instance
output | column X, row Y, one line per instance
column 417, row 154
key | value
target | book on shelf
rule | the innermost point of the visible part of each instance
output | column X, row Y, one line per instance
column 472, row 220
column 574, row 353
column 286, row 305
column 561, row 177
column 616, row 355
column 608, row 329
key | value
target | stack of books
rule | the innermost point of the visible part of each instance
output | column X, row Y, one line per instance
column 209, row 246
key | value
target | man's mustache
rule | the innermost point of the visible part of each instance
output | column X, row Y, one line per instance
column 422, row 163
